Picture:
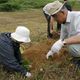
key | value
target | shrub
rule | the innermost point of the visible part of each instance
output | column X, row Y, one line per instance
column 3, row 1
column 12, row 5
column 9, row 7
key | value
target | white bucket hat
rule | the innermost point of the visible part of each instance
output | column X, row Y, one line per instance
column 21, row 34
column 53, row 8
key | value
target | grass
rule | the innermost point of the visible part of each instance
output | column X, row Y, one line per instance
column 16, row 5
column 33, row 19
column 59, row 68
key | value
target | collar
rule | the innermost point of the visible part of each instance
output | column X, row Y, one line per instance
column 68, row 17
column 14, row 41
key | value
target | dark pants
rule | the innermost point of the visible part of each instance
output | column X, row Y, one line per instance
column 49, row 35
column 58, row 26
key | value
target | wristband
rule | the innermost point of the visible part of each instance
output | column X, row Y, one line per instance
column 64, row 42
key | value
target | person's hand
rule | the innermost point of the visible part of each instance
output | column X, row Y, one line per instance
column 51, row 31
column 28, row 75
column 57, row 46
column 50, row 53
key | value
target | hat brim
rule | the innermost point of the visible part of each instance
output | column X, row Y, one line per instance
column 58, row 10
column 19, row 38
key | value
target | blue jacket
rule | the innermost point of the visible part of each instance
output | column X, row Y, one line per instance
column 10, row 55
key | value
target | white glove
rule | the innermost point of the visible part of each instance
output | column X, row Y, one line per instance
column 57, row 46
column 50, row 53
column 28, row 74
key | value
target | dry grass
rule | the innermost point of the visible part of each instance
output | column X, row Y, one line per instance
column 33, row 19
column 57, row 68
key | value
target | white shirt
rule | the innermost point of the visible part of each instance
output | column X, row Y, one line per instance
column 72, row 25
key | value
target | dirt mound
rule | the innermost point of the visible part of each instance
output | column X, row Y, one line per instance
column 37, row 53
column 41, row 66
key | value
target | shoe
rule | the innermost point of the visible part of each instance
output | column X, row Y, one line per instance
column 50, row 36
column 76, row 61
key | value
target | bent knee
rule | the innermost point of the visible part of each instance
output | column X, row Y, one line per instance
column 74, row 50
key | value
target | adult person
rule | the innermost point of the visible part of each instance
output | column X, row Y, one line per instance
column 10, row 55
column 68, row 6
column 70, row 29
column 50, row 20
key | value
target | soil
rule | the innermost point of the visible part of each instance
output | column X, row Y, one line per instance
column 36, row 54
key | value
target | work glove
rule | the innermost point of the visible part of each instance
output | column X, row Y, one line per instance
column 50, row 53
column 28, row 75
column 55, row 48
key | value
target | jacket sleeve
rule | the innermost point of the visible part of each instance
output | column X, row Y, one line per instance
column 7, row 58
column 17, row 54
